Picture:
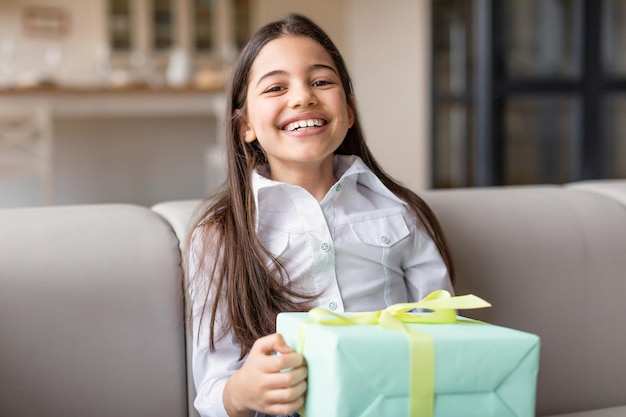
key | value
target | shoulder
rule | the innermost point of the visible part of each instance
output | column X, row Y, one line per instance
column 206, row 235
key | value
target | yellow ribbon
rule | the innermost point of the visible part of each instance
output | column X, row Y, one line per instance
column 422, row 360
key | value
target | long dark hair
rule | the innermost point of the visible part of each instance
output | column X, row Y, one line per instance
column 253, row 292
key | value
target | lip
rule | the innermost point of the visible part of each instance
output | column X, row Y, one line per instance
column 302, row 116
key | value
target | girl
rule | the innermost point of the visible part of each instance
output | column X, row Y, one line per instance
column 306, row 218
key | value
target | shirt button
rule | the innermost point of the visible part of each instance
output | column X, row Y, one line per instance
column 325, row 247
column 338, row 187
column 385, row 239
column 332, row 305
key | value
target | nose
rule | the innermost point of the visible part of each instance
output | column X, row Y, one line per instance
column 302, row 96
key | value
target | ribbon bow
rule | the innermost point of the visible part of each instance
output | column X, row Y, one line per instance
column 394, row 317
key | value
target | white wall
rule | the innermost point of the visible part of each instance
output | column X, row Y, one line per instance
column 387, row 49
column 330, row 14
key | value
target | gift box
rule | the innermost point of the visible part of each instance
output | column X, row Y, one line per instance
column 445, row 367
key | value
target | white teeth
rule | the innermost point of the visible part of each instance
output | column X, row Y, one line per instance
column 304, row 123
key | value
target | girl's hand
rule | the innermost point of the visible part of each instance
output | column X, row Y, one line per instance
column 267, row 382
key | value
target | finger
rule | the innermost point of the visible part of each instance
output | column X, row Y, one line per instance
column 286, row 378
column 285, row 362
column 287, row 395
column 299, row 374
column 270, row 344
column 285, row 409
column 276, row 364
column 281, row 346
column 285, row 402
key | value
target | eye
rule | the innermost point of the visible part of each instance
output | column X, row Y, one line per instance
column 274, row 89
column 322, row 83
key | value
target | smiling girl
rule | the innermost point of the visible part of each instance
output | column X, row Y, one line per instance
column 306, row 218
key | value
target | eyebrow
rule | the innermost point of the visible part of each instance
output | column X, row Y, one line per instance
column 281, row 72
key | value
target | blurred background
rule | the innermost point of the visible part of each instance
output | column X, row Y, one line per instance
column 122, row 101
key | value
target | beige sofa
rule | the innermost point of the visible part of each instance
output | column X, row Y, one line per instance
column 91, row 310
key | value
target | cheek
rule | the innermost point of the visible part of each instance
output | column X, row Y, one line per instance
column 265, row 117
column 351, row 117
column 343, row 108
column 258, row 124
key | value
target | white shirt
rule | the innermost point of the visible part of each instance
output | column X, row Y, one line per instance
column 360, row 248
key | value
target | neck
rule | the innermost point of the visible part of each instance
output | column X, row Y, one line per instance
column 317, row 179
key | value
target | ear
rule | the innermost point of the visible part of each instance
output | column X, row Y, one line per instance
column 246, row 132
column 351, row 106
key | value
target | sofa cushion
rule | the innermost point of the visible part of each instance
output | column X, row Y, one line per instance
column 551, row 260
column 90, row 313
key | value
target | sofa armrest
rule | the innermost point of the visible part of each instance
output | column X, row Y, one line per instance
column 91, row 313
column 180, row 215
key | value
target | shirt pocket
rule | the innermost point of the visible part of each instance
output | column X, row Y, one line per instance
column 284, row 244
column 382, row 232
column 291, row 249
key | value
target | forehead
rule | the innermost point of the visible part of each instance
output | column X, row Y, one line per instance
column 289, row 53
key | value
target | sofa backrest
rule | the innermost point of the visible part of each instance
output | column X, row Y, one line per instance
column 552, row 261
column 91, row 319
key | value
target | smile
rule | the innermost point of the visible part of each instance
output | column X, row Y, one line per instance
column 304, row 124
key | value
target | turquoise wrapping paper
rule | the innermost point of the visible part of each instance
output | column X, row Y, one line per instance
column 481, row 370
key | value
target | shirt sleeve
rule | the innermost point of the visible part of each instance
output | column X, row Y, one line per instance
column 425, row 270
column 211, row 368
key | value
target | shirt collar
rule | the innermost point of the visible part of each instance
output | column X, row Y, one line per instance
column 346, row 167
column 353, row 167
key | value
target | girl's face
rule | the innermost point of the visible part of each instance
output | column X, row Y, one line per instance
column 296, row 106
